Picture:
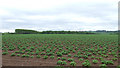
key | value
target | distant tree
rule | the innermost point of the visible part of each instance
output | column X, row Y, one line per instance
column 24, row 31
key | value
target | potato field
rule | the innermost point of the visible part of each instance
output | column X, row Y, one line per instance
column 60, row 50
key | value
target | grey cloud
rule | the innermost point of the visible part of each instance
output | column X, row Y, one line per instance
column 94, row 10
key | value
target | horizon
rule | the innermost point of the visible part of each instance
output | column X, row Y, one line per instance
column 59, row 30
column 67, row 15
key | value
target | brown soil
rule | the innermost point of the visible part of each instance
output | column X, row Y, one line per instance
column 7, row 60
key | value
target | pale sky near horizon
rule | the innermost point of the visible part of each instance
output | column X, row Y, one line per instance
column 41, row 15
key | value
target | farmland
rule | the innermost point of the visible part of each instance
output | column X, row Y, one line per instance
column 59, row 49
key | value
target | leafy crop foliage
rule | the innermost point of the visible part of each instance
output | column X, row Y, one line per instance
column 65, row 48
column 72, row 63
column 95, row 61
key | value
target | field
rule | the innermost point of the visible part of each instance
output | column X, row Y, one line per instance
column 59, row 49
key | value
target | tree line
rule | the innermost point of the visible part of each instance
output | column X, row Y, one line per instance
column 24, row 31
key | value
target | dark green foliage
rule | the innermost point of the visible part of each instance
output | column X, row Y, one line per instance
column 64, row 62
column 72, row 63
column 49, row 54
column 45, row 57
column 86, row 64
column 52, row 57
column 23, row 55
column 75, row 55
column 4, row 53
column 13, row 54
column 59, row 62
column 92, row 57
column 43, row 53
column 98, row 47
column 103, row 66
column 18, row 54
column 80, row 59
column 63, row 58
column 27, row 56
column 107, row 62
column 24, row 31
column 69, row 55
column 70, row 59
column 118, row 66
column 85, row 56
column 32, row 56
column 59, row 54
column 95, row 61
column 114, row 59
column 38, row 56
column 58, row 58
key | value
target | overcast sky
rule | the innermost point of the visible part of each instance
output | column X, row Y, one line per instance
column 72, row 15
